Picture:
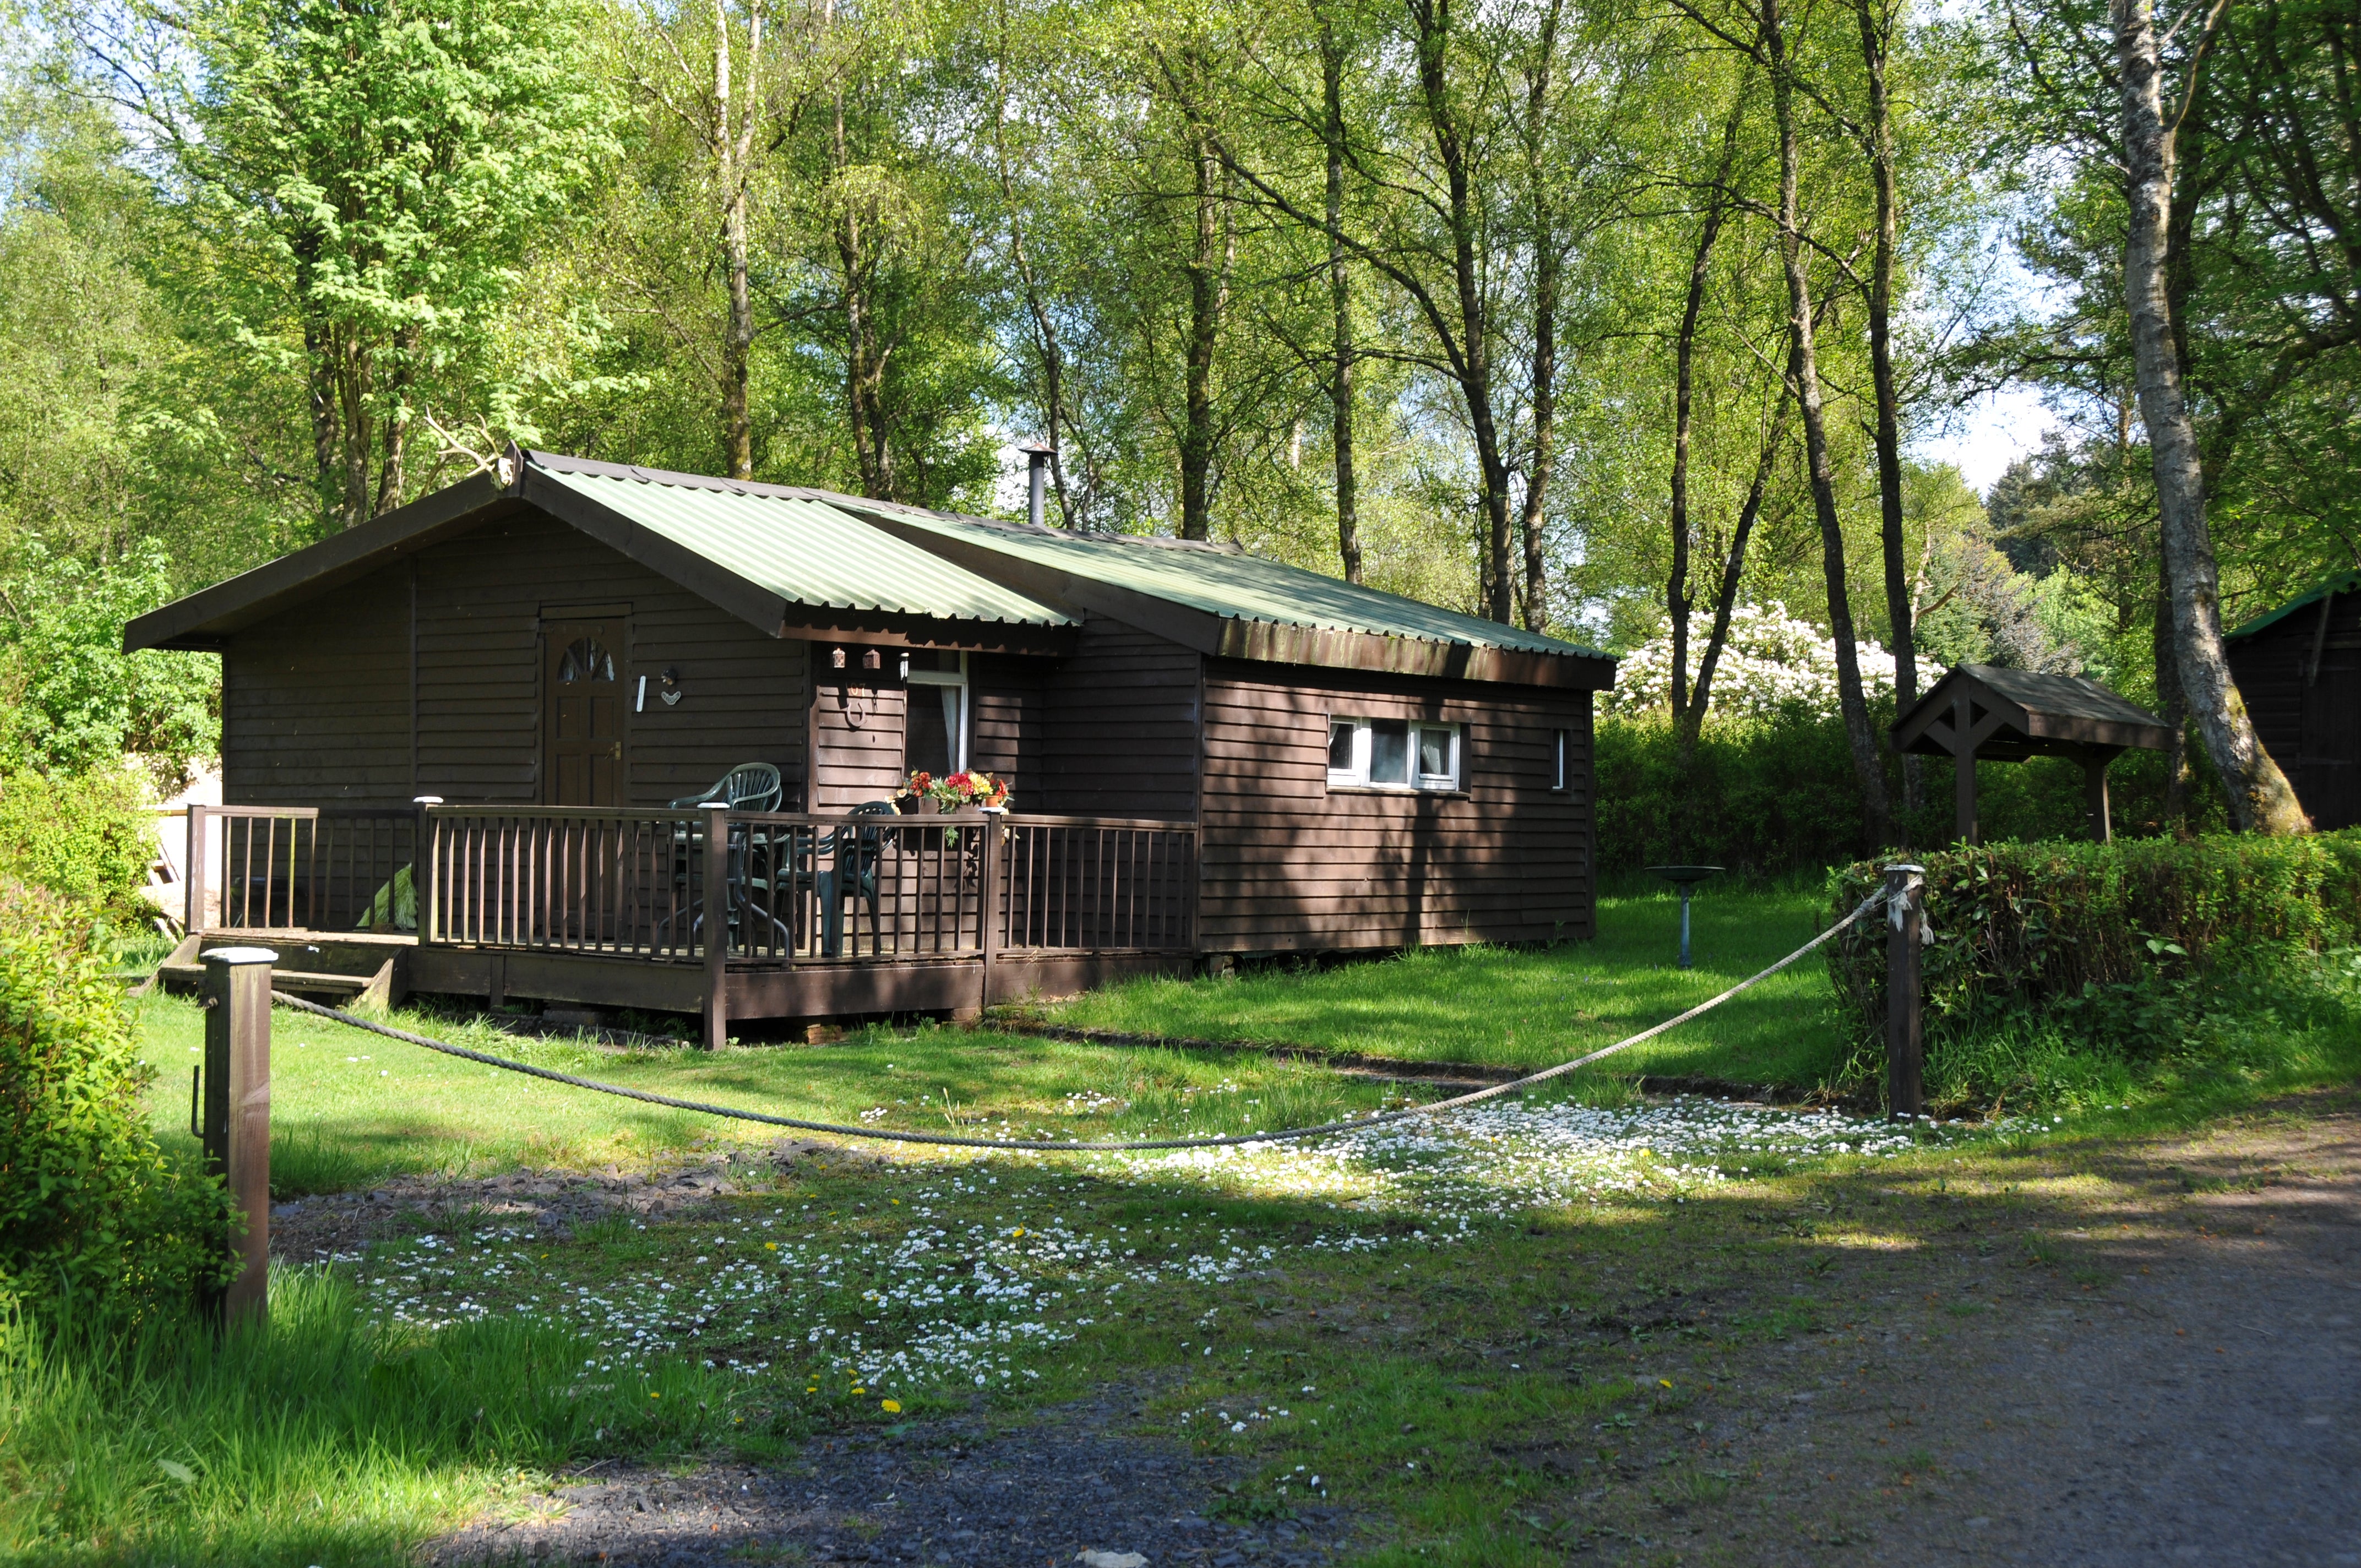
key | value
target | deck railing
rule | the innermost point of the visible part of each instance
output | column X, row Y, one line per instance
column 803, row 887
column 300, row 867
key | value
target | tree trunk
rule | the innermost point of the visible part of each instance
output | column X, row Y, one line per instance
column 1875, row 42
column 1208, row 289
column 1474, row 370
column 2173, row 708
column 1044, row 329
column 1677, row 602
column 730, row 174
column 1547, row 265
column 1340, row 302
column 1868, row 766
column 1733, row 567
column 2260, row 798
column 864, row 355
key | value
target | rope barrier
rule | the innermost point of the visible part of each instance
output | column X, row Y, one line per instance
column 951, row 1140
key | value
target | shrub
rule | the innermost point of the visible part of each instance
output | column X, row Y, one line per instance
column 2128, row 947
column 1777, row 796
column 90, row 1211
column 88, row 838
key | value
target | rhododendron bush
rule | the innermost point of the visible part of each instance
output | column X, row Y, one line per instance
column 1774, row 666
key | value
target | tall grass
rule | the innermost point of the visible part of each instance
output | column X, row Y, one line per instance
column 322, row 1438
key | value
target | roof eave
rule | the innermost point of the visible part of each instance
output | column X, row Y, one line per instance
column 204, row 619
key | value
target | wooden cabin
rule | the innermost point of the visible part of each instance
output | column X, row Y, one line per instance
column 2298, row 669
column 476, row 732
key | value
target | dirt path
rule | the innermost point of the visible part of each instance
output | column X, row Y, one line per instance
column 2110, row 1353
column 2164, row 1367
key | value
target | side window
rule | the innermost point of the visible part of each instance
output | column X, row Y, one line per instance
column 1557, row 759
column 1392, row 753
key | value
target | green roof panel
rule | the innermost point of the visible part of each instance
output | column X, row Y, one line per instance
column 805, row 551
column 1238, row 587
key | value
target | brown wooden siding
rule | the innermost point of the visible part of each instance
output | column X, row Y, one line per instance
column 1288, row 864
column 2309, row 723
column 856, row 726
column 301, row 717
column 1120, row 736
column 315, row 703
column 1004, row 739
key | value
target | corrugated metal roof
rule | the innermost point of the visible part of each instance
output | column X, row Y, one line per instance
column 1238, row 587
column 803, row 549
column 2342, row 583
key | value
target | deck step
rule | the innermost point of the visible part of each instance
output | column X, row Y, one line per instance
column 187, row 979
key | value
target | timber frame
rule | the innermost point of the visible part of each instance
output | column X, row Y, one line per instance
column 1979, row 711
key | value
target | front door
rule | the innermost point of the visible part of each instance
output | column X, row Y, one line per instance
column 582, row 724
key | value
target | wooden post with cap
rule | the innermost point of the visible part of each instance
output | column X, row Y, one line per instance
column 1905, row 925
column 237, row 1131
column 715, row 920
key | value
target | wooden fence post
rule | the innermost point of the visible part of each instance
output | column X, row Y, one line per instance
column 198, row 835
column 421, row 867
column 1906, row 891
column 987, row 904
column 237, row 1114
column 716, row 921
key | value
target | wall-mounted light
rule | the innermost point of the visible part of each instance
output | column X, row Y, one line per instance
column 836, row 659
column 872, row 660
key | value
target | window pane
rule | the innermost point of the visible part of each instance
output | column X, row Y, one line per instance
column 1434, row 753
column 1557, row 761
column 1340, row 747
column 927, row 728
column 1389, row 751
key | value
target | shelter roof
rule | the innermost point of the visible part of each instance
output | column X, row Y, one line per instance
column 2015, row 714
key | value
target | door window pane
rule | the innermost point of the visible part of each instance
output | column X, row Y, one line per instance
column 930, row 731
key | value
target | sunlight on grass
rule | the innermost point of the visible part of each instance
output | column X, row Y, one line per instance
column 1530, row 1008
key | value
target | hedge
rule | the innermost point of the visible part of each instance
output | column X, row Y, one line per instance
column 2018, row 929
column 91, row 1211
column 88, row 838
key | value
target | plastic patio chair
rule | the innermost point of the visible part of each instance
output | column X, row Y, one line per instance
column 853, row 854
column 749, row 786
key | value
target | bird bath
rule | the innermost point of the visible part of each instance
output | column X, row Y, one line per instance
column 1685, row 878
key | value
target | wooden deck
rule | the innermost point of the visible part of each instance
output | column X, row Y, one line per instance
column 824, row 916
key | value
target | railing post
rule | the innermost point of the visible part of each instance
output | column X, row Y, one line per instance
column 198, row 835
column 237, row 1114
column 1906, row 892
column 423, row 858
column 987, row 901
column 716, row 922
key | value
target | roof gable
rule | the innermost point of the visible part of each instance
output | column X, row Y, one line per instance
column 776, row 561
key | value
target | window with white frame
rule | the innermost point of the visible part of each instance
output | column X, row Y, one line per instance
column 935, row 720
column 1392, row 753
column 1558, row 741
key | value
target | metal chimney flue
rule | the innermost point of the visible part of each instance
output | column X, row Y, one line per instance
column 1036, row 477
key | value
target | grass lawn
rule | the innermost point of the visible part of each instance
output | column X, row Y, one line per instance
column 1525, row 1334
column 1529, row 1009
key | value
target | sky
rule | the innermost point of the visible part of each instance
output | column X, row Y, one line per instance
column 1992, row 431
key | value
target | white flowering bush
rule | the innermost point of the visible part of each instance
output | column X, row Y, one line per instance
column 1774, row 666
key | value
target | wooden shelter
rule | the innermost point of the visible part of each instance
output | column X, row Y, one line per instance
column 2298, row 669
column 1980, row 711
column 464, row 746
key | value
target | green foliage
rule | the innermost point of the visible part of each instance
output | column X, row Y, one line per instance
column 1775, row 797
column 2124, row 952
column 70, row 698
column 87, row 838
column 161, row 1443
column 93, row 1214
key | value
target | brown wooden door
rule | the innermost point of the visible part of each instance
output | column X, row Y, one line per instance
column 583, row 713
